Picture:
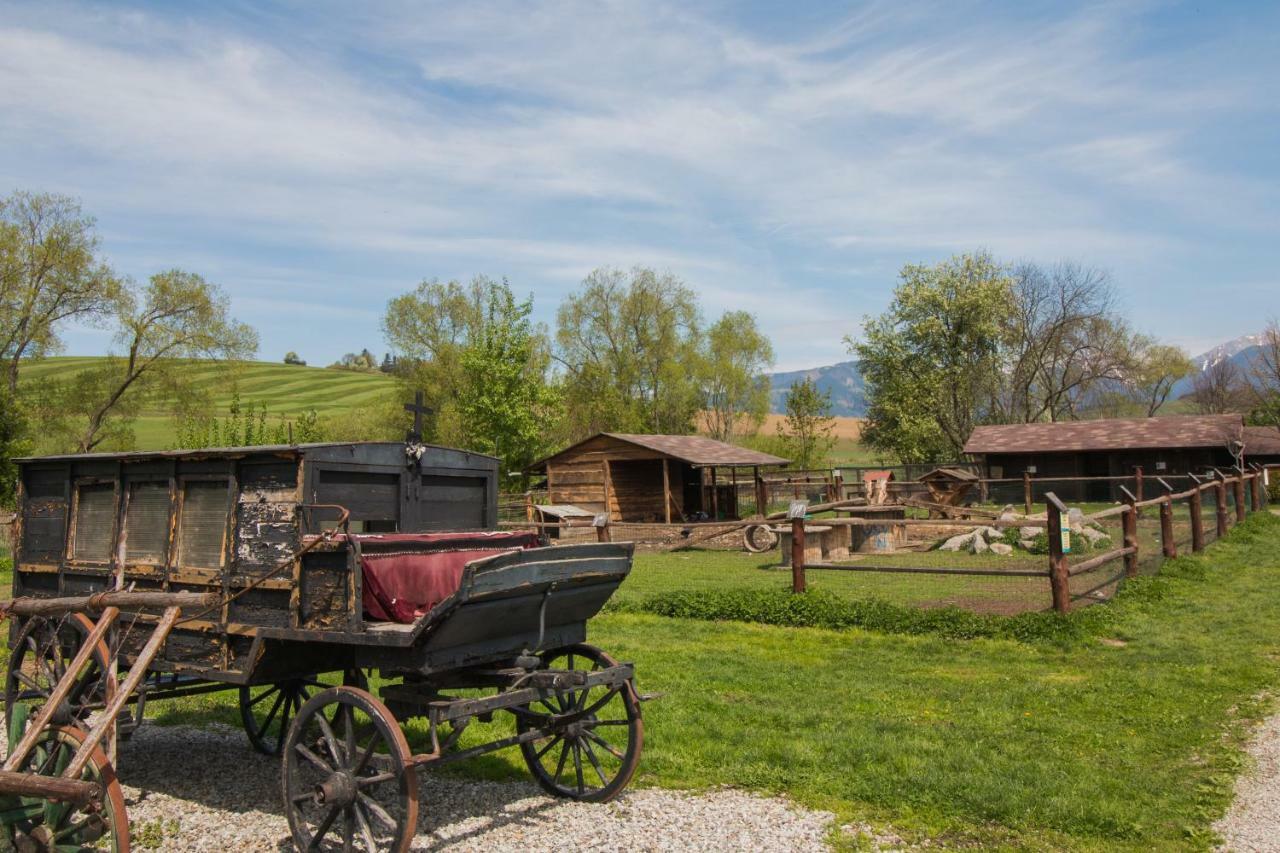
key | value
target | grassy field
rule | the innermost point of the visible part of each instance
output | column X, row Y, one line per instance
column 1127, row 739
column 283, row 388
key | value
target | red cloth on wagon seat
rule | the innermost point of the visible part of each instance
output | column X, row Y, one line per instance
column 404, row 575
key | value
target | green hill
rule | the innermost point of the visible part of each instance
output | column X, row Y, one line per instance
column 284, row 389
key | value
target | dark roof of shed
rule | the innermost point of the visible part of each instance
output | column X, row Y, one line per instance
column 1261, row 441
column 697, row 450
column 947, row 471
column 1107, row 434
column 195, row 453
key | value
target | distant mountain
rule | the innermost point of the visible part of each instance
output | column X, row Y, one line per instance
column 1243, row 351
column 842, row 381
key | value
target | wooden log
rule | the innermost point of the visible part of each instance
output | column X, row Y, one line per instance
column 48, row 787
column 1220, row 498
column 1026, row 492
column 1167, row 544
column 1238, row 488
column 932, row 522
column 1059, row 572
column 1100, row 560
column 102, row 600
column 666, row 489
column 1196, row 505
column 929, row 570
column 797, row 555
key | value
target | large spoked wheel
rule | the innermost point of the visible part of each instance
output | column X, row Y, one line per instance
column 346, row 779
column 33, row 823
column 267, row 710
column 596, row 734
column 41, row 654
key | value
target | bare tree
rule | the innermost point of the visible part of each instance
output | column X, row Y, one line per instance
column 1264, row 377
column 1065, row 342
column 1217, row 389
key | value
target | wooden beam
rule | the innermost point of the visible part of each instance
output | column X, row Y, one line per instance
column 715, row 496
column 608, row 491
column 666, row 489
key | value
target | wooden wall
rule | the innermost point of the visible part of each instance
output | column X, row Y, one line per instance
column 608, row 473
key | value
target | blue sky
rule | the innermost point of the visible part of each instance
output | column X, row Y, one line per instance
column 317, row 159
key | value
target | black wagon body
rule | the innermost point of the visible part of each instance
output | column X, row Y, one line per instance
column 283, row 535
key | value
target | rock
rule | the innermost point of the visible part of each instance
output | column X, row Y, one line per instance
column 992, row 533
column 1027, row 544
column 1029, row 532
column 1001, row 548
column 957, row 543
column 980, row 545
column 1092, row 534
column 1075, row 517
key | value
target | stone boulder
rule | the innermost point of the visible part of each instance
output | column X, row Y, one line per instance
column 1001, row 548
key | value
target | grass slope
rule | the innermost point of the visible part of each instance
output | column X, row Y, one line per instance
column 1126, row 739
column 283, row 388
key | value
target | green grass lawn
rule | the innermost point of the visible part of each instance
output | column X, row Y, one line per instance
column 1127, row 739
column 283, row 388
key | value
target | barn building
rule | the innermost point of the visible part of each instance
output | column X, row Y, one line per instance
column 1106, row 448
column 1262, row 445
column 651, row 478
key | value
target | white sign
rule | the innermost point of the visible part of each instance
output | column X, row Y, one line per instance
column 798, row 509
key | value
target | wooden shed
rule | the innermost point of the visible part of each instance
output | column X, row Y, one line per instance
column 652, row 478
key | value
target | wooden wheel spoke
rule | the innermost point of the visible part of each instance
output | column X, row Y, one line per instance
column 263, row 695
column 605, row 744
column 595, row 723
column 577, row 765
column 330, row 740
column 376, row 779
column 323, row 829
column 555, row 740
column 271, row 715
column 348, row 828
column 366, row 831
column 595, row 762
column 19, row 675
column 376, row 809
column 564, row 755
column 600, row 703
column 305, row 752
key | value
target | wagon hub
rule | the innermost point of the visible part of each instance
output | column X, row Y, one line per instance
column 338, row 790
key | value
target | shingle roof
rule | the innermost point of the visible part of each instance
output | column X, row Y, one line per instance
column 700, row 450
column 1109, row 434
column 696, row 450
column 1261, row 441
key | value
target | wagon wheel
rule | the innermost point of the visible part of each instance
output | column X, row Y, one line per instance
column 346, row 779
column 41, row 653
column 267, row 709
column 593, row 754
column 33, row 823
column 758, row 538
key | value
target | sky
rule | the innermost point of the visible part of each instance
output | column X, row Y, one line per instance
column 316, row 160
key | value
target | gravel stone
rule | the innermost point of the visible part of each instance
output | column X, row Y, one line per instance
column 1252, row 825
column 204, row 789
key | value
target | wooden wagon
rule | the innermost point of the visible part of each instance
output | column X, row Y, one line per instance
column 319, row 564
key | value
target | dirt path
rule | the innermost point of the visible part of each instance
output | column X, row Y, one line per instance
column 1253, row 823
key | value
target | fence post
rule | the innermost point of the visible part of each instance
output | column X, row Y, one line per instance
column 797, row 554
column 1026, row 492
column 1059, row 580
column 1238, row 488
column 1254, row 503
column 1197, row 520
column 1220, row 498
column 1130, row 527
column 1168, row 546
column 601, row 523
column 1137, row 483
column 528, row 507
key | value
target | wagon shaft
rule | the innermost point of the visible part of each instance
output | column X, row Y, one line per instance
column 48, row 787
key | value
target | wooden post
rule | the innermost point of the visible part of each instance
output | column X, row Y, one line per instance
column 797, row 554
column 1059, row 581
column 839, row 478
column 1238, row 488
column 608, row 491
column 1129, row 525
column 1255, row 492
column 666, row 489
column 1137, row 482
column 1197, row 520
column 1026, row 492
column 603, row 533
column 762, row 494
column 1220, row 498
column 715, row 496
column 528, row 507
column 1168, row 546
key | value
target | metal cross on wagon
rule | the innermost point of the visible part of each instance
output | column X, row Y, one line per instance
column 299, row 571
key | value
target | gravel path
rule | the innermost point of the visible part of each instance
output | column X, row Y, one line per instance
column 1253, row 823
column 205, row 789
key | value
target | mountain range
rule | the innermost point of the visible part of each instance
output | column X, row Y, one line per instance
column 843, row 380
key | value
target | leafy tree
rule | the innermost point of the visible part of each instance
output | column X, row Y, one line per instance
column 292, row 357
column 49, row 274
column 1155, row 369
column 630, row 346
column 806, row 433
column 932, row 361
column 12, row 444
column 504, row 400
column 735, row 387
column 178, row 315
column 1264, row 379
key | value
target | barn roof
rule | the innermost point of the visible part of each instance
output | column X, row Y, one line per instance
column 217, row 452
column 1108, row 434
column 696, row 450
column 1261, row 441
column 949, row 472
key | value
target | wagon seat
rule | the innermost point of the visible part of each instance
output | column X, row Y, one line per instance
column 404, row 575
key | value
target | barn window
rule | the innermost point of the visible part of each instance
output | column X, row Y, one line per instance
column 203, row 525
column 95, row 517
column 146, row 526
